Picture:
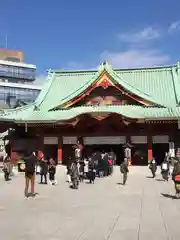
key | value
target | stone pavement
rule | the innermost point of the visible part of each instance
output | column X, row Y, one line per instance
column 103, row 211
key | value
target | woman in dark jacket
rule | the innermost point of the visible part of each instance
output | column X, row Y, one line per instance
column 74, row 174
column 92, row 171
column 44, row 170
column 153, row 167
column 52, row 171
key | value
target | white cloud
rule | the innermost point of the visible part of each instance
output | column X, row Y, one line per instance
column 175, row 26
column 135, row 58
column 144, row 35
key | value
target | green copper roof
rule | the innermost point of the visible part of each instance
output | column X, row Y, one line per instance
column 157, row 85
column 129, row 111
column 160, row 85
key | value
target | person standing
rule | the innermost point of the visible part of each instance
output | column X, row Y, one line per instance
column 74, row 175
column 52, row 171
column 81, row 170
column 69, row 169
column 100, row 166
column 124, row 170
column 86, row 168
column 30, row 166
column 112, row 156
column 165, row 169
column 77, row 153
column 6, row 167
column 44, row 170
column 176, row 177
column 106, row 164
column 127, row 152
column 153, row 167
column 92, row 171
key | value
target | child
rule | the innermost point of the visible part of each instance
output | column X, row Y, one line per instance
column 44, row 170
column 52, row 171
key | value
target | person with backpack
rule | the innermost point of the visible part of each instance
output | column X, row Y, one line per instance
column 124, row 170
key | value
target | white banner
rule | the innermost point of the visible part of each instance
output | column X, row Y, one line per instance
column 106, row 140
column 50, row 140
column 70, row 140
column 160, row 139
column 139, row 139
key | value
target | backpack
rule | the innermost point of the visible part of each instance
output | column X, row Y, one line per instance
column 121, row 168
column 110, row 162
column 164, row 166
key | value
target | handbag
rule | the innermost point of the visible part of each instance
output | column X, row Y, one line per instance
column 38, row 169
column 177, row 178
column 164, row 166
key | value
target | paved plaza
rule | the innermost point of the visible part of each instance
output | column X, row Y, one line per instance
column 105, row 210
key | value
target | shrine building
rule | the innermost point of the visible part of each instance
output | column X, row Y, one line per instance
column 103, row 109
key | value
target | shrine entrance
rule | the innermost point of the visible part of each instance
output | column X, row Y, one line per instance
column 117, row 149
column 105, row 144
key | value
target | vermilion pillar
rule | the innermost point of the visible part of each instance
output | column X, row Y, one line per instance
column 150, row 151
column 60, row 151
column 150, row 154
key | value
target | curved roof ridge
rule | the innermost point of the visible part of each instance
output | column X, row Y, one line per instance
column 125, row 84
column 85, row 71
column 129, row 111
column 45, row 89
column 176, row 81
column 113, row 72
column 115, row 69
column 157, row 68
column 88, row 82
column 138, row 92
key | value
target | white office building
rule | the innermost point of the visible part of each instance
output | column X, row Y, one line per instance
column 17, row 84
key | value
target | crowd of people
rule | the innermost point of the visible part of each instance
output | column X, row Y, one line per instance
column 99, row 164
column 33, row 165
column 170, row 167
column 80, row 168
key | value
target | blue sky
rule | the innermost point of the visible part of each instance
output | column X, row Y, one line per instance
column 81, row 34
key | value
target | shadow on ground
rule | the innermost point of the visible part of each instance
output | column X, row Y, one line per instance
column 168, row 196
